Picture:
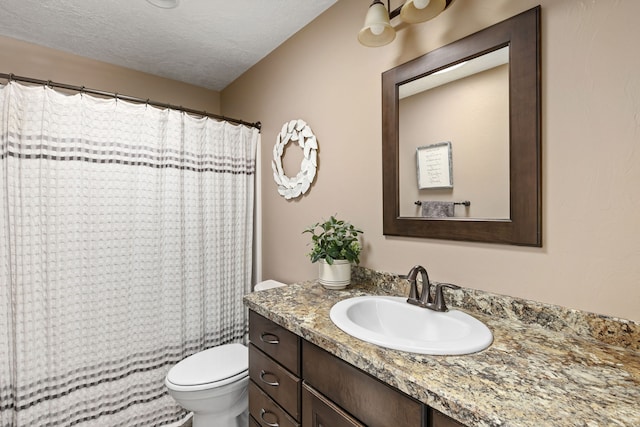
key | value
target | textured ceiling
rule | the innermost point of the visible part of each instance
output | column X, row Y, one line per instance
column 208, row 43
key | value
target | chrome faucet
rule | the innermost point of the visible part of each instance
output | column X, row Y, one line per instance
column 423, row 298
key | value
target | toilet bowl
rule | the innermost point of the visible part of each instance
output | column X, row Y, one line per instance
column 213, row 383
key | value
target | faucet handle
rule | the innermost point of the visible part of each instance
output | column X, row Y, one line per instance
column 439, row 303
column 425, row 293
column 411, row 277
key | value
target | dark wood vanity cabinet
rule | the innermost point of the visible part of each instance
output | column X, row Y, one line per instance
column 274, row 370
column 372, row 402
column 438, row 419
column 318, row 411
column 294, row 382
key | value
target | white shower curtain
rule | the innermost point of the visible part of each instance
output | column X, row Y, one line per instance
column 125, row 246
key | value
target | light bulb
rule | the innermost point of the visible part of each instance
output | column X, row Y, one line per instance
column 377, row 29
column 421, row 4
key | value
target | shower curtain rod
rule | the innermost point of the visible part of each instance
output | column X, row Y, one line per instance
column 83, row 89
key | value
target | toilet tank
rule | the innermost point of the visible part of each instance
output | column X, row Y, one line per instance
column 268, row 284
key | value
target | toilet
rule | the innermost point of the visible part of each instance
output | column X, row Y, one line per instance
column 213, row 383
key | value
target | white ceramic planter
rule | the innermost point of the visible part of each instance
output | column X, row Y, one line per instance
column 336, row 275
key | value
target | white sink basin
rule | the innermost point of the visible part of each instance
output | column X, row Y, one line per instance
column 391, row 322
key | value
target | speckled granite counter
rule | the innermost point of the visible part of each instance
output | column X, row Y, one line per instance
column 544, row 368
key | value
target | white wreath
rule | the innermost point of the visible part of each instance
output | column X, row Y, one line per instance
column 295, row 130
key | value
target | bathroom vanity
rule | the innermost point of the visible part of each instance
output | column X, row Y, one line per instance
column 316, row 388
column 546, row 366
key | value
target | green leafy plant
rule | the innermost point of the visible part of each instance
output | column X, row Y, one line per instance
column 334, row 239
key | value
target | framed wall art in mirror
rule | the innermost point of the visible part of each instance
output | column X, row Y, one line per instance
column 434, row 166
column 498, row 119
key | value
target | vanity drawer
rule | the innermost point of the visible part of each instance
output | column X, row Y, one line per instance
column 276, row 341
column 265, row 411
column 364, row 397
column 277, row 382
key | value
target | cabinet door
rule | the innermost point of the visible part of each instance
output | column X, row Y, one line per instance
column 373, row 403
column 438, row 419
column 318, row 411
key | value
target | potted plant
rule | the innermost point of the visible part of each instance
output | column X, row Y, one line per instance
column 335, row 247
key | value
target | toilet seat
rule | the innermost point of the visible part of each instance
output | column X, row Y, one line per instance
column 211, row 368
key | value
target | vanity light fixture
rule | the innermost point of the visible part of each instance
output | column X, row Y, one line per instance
column 377, row 30
column 165, row 4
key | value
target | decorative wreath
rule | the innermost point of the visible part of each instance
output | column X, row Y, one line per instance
column 300, row 132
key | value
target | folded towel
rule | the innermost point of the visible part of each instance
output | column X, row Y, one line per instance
column 432, row 209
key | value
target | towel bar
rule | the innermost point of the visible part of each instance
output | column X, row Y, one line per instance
column 465, row 203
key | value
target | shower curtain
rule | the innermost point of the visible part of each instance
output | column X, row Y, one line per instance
column 125, row 246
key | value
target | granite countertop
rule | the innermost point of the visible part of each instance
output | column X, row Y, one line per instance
column 531, row 375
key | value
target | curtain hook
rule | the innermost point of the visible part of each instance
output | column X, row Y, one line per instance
column 147, row 104
column 49, row 84
column 11, row 75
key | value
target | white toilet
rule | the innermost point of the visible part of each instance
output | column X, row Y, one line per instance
column 213, row 383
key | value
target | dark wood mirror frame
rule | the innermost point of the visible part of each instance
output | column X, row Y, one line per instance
column 524, row 226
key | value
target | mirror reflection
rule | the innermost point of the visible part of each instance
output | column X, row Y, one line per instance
column 514, row 219
column 456, row 122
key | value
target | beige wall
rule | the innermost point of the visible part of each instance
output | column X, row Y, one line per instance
column 591, row 156
column 29, row 60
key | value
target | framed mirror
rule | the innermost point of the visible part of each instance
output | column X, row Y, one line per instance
column 480, row 96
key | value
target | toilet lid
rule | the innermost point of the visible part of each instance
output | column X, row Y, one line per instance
column 211, row 365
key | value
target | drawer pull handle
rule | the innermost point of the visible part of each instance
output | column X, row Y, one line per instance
column 271, row 383
column 268, row 338
column 262, row 414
